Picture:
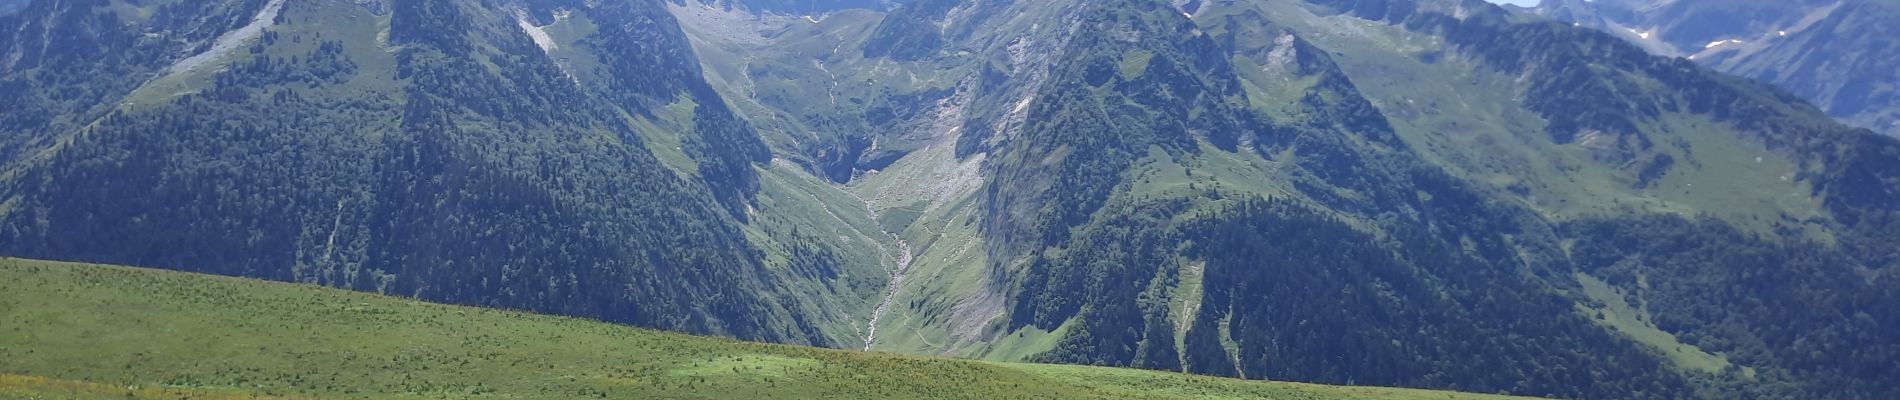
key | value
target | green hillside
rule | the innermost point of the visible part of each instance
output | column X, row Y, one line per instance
column 93, row 331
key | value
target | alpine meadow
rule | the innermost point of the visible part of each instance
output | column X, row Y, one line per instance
column 870, row 199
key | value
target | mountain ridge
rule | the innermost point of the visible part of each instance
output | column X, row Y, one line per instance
column 1828, row 52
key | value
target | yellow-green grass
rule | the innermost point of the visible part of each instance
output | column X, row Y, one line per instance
column 1633, row 321
column 92, row 331
column 1135, row 63
column 662, row 135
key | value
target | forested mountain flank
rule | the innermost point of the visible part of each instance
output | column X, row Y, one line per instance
column 426, row 148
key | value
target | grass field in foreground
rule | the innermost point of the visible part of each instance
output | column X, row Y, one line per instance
column 91, row 331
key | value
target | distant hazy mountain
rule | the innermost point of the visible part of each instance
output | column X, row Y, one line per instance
column 792, row 7
column 1838, row 54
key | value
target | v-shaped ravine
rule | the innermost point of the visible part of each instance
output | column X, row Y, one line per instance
column 900, row 266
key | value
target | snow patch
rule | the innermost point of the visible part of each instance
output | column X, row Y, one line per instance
column 1718, row 43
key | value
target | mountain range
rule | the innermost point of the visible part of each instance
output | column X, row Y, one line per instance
column 1839, row 55
column 1422, row 193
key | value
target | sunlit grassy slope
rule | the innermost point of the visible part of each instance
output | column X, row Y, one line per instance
column 91, row 331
